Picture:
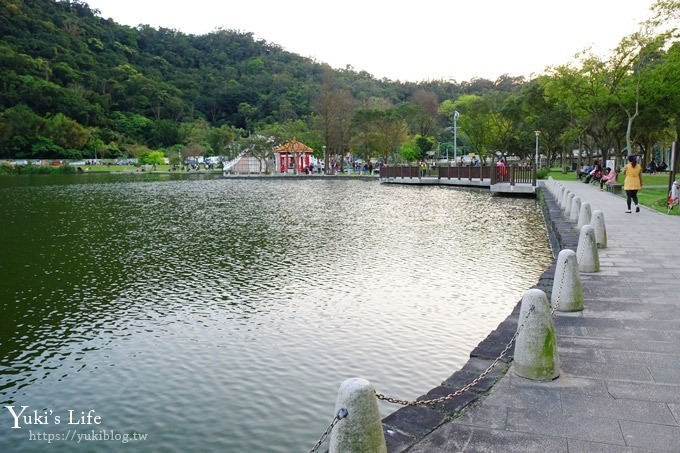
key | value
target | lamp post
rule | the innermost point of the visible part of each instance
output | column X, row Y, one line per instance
column 325, row 161
column 537, row 134
column 455, row 137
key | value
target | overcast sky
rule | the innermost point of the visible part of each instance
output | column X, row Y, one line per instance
column 408, row 41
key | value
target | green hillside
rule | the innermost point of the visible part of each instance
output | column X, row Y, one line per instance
column 75, row 85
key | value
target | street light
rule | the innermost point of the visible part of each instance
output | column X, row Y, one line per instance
column 455, row 137
column 537, row 134
column 325, row 161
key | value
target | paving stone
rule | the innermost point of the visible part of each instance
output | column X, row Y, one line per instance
column 620, row 409
column 457, row 438
column 663, row 437
column 485, row 415
column 649, row 392
column 565, row 384
column 581, row 446
column 675, row 410
column 572, row 426
column 576, row 367
column 547, row 398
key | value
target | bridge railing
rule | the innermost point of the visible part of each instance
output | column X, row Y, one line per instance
column 514, row 175
column 511, row 174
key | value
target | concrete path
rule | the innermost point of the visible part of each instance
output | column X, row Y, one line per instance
column 619, row 387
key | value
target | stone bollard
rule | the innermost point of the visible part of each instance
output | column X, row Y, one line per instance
column 575, row 209
column 563, row 197
column 584, row 215
column 536, row 345
column 588, row 258
column 567, row 291
column 597, row 222
column 361, row 430
column 567, row 206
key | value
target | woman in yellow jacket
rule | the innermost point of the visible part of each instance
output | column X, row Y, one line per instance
column 633, row 182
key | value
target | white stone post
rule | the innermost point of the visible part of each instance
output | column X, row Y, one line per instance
column 361, row 430
column 567, row 291
column 567, row 206
column 563, row 198
column 597, row 222
column 588, row 258
column 536, row 344
column 584, row 215
column 575, row 209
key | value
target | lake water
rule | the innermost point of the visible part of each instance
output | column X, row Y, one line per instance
column 221, row 315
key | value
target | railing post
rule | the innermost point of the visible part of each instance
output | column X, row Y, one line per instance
column 565, row 196
column 575, row 209
column 588, row 258
column 567, row 291
column 597, row 222
column 584, row 215
column 361, row 431
column 536, row 345
column 567, row 204
column 561, row 199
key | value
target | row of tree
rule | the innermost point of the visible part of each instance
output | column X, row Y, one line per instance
column 74, row 85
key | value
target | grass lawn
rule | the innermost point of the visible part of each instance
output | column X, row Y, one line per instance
column 653, row 195
column 133, row 169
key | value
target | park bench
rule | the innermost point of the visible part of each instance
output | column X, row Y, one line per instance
column 614, row 188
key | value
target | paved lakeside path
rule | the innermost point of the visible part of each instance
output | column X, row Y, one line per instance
column 619, row 386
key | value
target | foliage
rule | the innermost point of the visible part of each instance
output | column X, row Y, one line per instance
column 74, row 84
column 152, row 158
column 115, row 87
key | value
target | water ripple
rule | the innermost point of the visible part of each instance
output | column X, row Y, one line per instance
column 239, row 300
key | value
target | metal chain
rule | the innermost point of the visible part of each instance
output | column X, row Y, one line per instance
column 476, row 381
column 468, row 386
column 342, row 413
column 559, row 293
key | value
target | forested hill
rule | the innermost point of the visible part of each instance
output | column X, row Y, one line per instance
column 83, row 81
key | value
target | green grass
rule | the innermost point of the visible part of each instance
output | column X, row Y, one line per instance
column 654, row 193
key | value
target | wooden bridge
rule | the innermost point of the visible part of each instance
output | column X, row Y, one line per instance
column 511, row 179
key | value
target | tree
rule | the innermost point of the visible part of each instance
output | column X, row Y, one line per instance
column 152, row 158
column 474, row 122
column 427, row 109
column 335, row 108
column 424, row 144
column 261, row 147
column 220, row 138
column 65, row 132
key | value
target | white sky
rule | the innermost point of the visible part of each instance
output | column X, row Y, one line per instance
column 408, row 41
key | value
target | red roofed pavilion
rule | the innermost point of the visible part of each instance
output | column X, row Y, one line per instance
column 292, row 155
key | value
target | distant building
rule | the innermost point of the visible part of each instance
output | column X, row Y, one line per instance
column 292, row 157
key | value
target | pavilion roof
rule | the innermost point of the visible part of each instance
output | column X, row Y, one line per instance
column 293, row 146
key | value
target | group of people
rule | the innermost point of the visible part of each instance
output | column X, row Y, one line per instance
column 653, row 167
column 631, row 184
column 595, row 173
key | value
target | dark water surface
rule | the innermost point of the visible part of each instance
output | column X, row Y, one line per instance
column 222, row 314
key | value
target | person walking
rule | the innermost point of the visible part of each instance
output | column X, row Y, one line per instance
column 633, row 182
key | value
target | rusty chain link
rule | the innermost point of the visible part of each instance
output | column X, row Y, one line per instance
column 559, row 293
column 342, row 413
column 462, row 390
column 476, row 381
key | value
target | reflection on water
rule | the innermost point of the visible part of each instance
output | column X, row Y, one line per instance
column 223, row 314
